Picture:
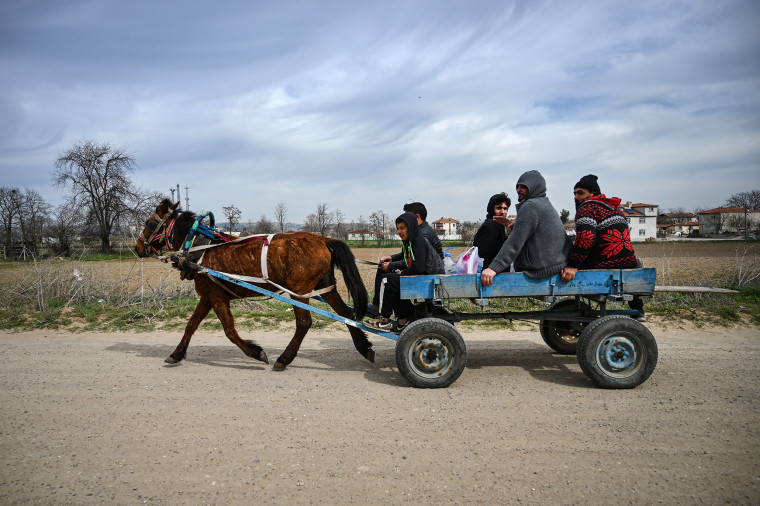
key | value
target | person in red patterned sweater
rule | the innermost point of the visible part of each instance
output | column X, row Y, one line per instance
column 602, row 236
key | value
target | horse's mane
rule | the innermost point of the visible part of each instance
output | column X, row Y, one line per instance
column 183, row 224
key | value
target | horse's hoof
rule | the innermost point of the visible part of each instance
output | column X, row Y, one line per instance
column 370, row 356
column 263, row 357
column 171, row 360
column 278, row 366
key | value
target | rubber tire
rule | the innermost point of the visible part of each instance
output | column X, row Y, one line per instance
column 430, row 353
column 562, row 336
column 634, row 343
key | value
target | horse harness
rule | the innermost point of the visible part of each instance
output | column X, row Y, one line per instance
column 191, row 254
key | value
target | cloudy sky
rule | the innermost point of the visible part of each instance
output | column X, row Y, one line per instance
column 364, row 106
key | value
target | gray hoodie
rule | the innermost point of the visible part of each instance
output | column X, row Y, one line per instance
column 538, row 244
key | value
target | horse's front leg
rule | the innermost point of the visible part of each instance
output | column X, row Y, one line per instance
column 250, row 348
column 303, row 324
column 200, row 312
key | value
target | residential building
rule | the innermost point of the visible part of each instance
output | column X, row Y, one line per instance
column 447, row 228
column 728, row 220
column 673, row 218
column 361, row 235
column 686, row 228
column 642, row 221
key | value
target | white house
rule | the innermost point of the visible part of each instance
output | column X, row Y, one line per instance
column 447, row 228
column 642, row 221
column 361, row 235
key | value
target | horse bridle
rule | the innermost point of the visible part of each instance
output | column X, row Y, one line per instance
column 162, row 230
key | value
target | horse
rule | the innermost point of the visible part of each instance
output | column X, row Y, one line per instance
column 299, row 262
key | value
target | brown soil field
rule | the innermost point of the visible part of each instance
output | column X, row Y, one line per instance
column 689, row 263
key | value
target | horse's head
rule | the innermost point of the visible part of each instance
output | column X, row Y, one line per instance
column 158, row 230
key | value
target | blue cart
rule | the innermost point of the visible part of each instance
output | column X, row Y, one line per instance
column 613, row 349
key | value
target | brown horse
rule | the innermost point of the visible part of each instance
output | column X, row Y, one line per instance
column 300, row 262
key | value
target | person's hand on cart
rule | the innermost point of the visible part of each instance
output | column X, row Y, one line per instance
column 486, row 277
column 568, row 274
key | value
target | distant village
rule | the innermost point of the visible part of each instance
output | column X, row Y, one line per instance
column 644, row 220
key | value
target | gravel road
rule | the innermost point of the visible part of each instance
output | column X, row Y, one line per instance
column 99, row 418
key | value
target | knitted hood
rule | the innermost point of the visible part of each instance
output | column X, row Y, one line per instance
column 535, row 183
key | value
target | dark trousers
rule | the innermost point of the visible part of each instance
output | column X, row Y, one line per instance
column 389, row 297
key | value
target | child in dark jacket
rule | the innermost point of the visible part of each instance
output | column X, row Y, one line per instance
column 412, row 260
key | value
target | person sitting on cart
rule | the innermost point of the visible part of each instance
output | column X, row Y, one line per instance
column 602, row 236
column 423, row 227
column 425, row 230
column 538, row 244
column 417, row 256
column 493, row 231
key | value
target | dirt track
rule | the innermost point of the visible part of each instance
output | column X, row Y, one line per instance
column 99, row 418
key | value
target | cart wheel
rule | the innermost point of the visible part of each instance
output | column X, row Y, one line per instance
column 560, row 335
column 430, row 353
column 616, row 351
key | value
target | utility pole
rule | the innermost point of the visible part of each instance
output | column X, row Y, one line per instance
column 172, row 190
column 187, row 198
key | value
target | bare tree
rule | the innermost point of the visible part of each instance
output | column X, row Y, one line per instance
column 281, row 215
column 97, row 178
column 7, row 215
column 62, row 229
column 467, row 230
column 749, row 200
column 339, row 227
column 232, row 214
column 319, row 221
column 264, row 226
column 378, row 221
column 24, row 216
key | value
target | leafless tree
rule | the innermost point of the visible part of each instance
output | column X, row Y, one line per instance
column 467, row 230
column 265, row 226
column 378, row 221
column 319, row 221
column 64, row 222
column 232, row 213
column 7, row 215
column 24, row 216
column 749, row 200
column 281, row 215
column 339, row 227
column 97, row 177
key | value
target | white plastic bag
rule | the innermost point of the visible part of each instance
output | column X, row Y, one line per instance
column 468, row 262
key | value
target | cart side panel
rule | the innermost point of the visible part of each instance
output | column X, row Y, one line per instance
column 517, row 284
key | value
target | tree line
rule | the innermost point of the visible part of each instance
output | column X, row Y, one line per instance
column 102, row 201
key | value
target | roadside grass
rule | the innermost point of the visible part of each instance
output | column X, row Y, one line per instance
column 172, row 315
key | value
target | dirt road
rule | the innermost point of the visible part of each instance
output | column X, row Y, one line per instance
column 99, row 418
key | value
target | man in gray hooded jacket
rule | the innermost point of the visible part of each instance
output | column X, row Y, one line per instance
column 538, row 244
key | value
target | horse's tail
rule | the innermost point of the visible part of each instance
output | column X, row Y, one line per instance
column 345, row 261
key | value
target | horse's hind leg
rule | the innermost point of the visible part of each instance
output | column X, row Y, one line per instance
column 303, row 324
column 361, row 343
column 250, row 348
column 200, row 312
